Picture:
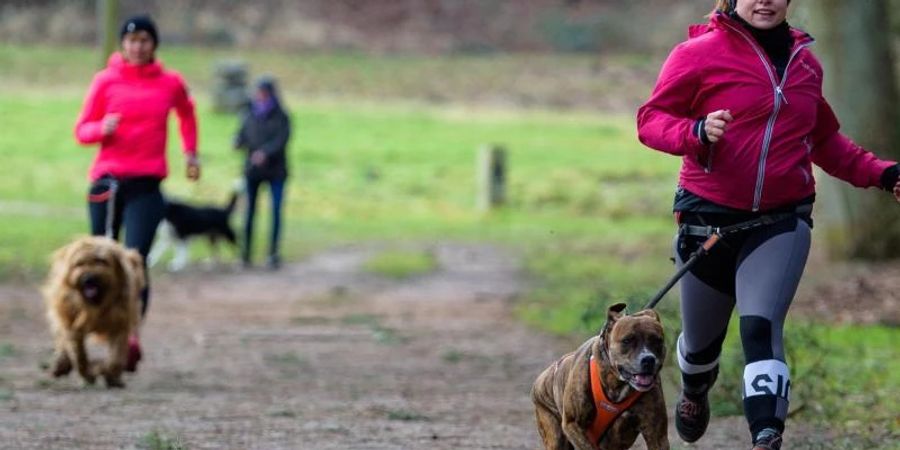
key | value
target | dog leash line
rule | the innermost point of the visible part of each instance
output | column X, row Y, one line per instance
column 111, row 207
column 707, row 245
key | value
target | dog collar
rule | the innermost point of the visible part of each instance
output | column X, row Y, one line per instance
column 607, row 411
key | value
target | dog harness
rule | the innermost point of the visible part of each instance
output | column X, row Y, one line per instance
column 607, row 411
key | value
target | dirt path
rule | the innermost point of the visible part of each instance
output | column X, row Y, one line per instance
column 319, row 355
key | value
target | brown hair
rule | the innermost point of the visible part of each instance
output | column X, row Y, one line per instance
column 724, row 6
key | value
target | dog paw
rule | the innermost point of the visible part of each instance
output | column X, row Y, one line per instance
column 89, row 380
column 61, row 368
column 114, row 383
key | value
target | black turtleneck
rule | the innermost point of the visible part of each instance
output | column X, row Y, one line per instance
column 776, row 42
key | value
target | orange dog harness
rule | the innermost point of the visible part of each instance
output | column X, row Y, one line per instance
column 607, row 411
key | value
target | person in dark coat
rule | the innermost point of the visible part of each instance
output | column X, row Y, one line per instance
column 264, row 135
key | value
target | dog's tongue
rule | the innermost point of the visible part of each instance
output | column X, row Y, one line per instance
column 90, row 291
column 643, row 380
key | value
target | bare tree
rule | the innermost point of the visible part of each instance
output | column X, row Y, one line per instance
column 853, row 40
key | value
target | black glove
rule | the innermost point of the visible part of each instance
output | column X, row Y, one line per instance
column 889, row 177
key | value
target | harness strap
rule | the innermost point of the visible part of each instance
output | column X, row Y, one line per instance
column 607, row 411
column 766, row 219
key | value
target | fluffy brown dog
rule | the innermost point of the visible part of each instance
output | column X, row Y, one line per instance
column 629, row 353
column 92, row 290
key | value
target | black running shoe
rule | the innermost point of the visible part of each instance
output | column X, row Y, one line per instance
column 691, row 416
column 767, row 439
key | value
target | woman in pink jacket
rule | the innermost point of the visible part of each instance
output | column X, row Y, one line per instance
column 741, row 103
column 125, row 112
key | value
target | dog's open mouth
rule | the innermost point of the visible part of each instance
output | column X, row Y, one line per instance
column 643, row 381
column 91, row 288
column 640, row 381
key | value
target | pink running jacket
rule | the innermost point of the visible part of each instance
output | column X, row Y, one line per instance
column 143, row 95
column 780, row 127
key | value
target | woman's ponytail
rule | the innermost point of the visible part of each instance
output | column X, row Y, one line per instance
column 725, row 6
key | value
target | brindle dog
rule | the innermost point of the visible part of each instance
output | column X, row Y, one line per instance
column 629, row 350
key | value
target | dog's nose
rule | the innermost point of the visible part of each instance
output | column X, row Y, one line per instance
column 88, row 279
column 91, row 287
column 648, row 364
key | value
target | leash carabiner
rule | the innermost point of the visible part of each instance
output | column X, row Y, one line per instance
column 701, row 251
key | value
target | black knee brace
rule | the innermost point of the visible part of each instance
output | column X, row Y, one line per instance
column 767, row 382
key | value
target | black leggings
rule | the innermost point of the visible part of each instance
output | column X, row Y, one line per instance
column 139, row 206
column 758, row 271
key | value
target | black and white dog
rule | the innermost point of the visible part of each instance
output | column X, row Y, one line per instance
column 184, row 222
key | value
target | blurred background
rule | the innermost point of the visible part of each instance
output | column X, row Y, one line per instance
column 395, row 103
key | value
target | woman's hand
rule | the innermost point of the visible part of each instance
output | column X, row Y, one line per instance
column 258, row 158
column 109, row 123
column 716, row 123
column 193, row 168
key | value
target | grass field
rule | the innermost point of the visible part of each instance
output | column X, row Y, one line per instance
column 588, row 205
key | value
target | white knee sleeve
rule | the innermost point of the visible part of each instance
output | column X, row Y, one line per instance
column 768, row 377
column 687, row 367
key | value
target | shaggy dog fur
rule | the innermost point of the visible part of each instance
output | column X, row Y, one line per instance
column 93, row 290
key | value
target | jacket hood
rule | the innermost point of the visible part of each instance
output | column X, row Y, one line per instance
column 720, row 21
column 118, row 64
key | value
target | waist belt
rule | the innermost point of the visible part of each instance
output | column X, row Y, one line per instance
column 765, row 219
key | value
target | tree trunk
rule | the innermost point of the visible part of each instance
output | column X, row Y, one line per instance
column 107, row 28
column 853, row 41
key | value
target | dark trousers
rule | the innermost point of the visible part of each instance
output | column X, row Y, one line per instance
column 139, row 207
column 276, row 188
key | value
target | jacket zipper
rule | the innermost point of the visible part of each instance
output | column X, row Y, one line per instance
column 770, row 125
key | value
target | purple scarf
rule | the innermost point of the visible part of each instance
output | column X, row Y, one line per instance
column 261, row 109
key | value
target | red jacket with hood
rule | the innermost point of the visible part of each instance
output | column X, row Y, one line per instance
column 143, row 96
column 780, row 127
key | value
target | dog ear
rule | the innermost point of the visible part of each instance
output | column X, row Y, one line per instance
column 59, row 259
column 651, row 313
column 133, row 264
column 65, row 252
column 134, row 259
column 614, row 313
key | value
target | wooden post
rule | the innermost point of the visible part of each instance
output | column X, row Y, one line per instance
column 107, row 28
column 491, row 177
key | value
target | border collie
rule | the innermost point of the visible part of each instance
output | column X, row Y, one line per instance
column 185, row 222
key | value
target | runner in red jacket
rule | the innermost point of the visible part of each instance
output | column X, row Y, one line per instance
column 777, row 125
column 138, row 98
column 741, row 102
column 126, row 111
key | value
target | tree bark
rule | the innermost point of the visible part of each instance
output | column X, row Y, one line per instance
column 107, row 28
column 853, row 41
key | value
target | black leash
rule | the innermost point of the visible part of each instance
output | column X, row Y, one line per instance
column 713, row 236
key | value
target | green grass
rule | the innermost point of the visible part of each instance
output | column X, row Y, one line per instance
column 401, row 264
column 360, row 171
column 161, row 440
column 529, row 80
